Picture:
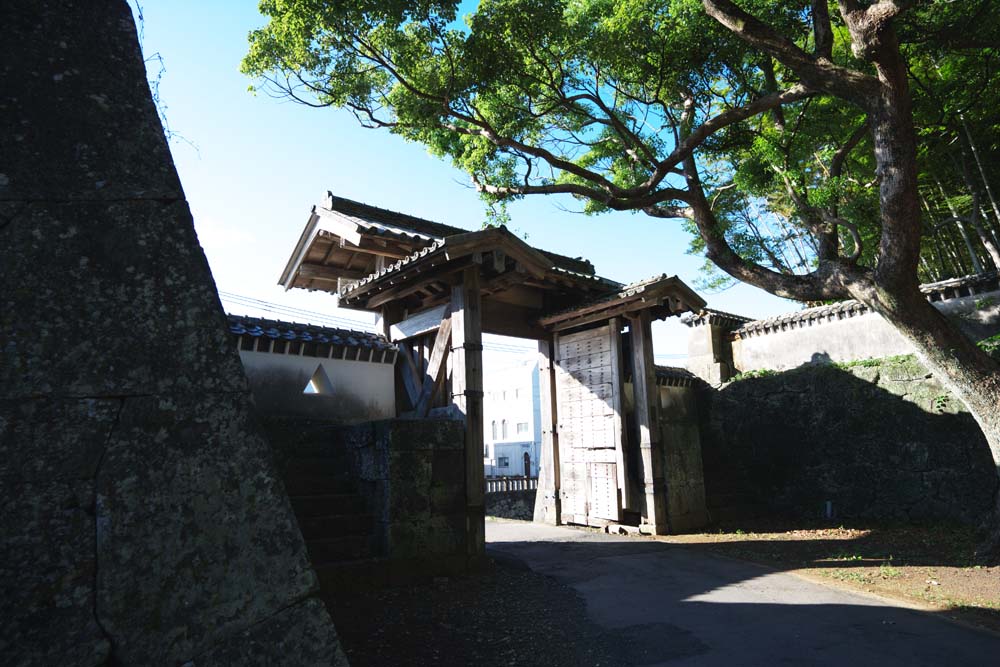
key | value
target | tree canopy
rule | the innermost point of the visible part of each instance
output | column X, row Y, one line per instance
column 654, row 106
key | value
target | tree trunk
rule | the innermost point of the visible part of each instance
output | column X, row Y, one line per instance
column 955, row 360
column 966, row 370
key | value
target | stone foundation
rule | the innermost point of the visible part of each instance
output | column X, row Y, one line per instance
column 142, row 519
column 511, row 504
column 880, row 439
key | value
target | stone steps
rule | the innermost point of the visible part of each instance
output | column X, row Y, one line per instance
column 327, row 504
column 332, row 516
column 311, row 483
column 330, row 525
column 336, row 550
column 354, row 575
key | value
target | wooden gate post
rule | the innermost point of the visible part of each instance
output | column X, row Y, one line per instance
column 467, row 397
column 547, row 502
column 647, row 416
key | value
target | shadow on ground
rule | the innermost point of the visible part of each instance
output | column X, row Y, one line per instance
column 583, row 598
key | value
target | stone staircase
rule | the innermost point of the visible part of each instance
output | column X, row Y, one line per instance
column 338, row 529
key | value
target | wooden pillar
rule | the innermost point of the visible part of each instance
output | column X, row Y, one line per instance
column 467, row 397
column 647, row 417
column 403, row 395
column 547, row 502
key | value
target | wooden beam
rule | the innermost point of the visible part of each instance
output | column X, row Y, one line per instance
column 647, row 409
column 328, row 272
column 419, row 323
column 467, row 397
column 404, row 284
column 435, row 368
column 337, row 225
column 507, row 319
column 374, row 247
column 548, row 504
column 499, row 261
column 408, row 370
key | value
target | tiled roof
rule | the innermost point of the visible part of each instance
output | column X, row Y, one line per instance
column 391, row 224
column 241, row 325
column 714, row 316
column 673, row 376
column 438, row 246
column 372, row 216
column 670, row 376
column 954, row 288
column 395, row 266
column 616, row 292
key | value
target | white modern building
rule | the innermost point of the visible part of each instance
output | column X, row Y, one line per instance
column 512, row 421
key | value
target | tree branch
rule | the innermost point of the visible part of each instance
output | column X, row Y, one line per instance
column 815, row 72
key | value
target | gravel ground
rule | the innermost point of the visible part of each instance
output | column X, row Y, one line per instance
column 505, row 616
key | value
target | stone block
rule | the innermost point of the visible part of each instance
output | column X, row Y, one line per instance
column 423, row 537
column 299, row 636
column 77, row 116
column 195, row 537
column 415, row 434
column 85, row 311
column 48, row 570
column 47, row 440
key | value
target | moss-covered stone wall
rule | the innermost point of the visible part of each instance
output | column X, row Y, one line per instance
column 876, row 438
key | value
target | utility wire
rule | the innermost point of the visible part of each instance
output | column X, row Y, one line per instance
column 313, row 317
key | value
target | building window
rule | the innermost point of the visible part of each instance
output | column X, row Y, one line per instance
column 522, row 427
column 517, row 393
column 486, row 452
column 503, row 429
column 503, row 462
column 494, row 429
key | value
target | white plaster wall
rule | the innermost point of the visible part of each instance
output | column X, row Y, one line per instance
column 362, row 390
column 861, row 337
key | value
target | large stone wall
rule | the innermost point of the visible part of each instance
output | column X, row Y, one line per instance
column 878, row 439
column 412, row 475
column 682, row 464
column 142, row 520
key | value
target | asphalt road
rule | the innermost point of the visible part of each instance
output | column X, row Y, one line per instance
column 662, row 604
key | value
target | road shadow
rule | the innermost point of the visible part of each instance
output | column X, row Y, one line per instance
column 671, row 602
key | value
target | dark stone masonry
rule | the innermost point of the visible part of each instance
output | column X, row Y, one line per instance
column 511, row 504
column 143, row 521
column 879, row 439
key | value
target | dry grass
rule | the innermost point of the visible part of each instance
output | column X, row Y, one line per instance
column 932, row 566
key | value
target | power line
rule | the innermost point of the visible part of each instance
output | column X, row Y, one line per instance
column 311, row 316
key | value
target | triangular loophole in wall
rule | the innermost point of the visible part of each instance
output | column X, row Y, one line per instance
column 319, row 383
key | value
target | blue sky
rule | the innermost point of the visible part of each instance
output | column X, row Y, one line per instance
column 258, row 164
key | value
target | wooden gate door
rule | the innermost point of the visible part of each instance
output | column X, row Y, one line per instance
column 588, row 404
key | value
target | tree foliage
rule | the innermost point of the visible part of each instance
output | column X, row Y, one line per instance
column 610, row 100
